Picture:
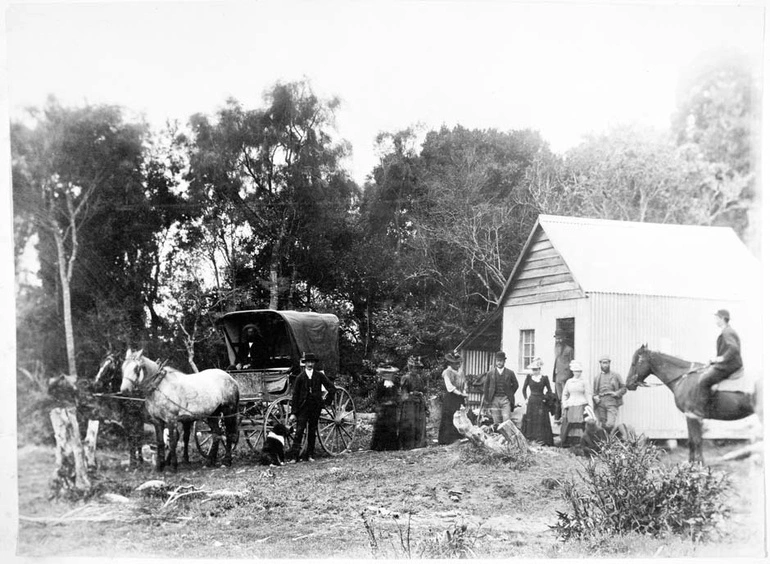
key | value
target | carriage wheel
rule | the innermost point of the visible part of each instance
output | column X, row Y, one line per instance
column 279, row 412
column 203, row 437
column 337, row 424
column 253, row 426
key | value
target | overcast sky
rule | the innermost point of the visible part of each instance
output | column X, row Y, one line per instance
column 564, row 69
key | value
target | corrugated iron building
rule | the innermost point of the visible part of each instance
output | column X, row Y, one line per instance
column 614, row 285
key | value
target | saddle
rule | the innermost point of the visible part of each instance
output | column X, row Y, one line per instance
column 735, row 382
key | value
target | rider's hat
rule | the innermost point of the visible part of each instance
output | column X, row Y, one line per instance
column 723, row 313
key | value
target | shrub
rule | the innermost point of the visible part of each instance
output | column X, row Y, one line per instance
column 625, row 489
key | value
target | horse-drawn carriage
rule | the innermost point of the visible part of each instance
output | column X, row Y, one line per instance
column 263, row 392
column 265, row 389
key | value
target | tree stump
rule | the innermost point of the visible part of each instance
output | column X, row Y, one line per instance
column 512, row 434
column 71, row 468
column 508, row 440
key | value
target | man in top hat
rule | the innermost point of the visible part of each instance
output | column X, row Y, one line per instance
column 500, row 385
column 608, row 394
column 307, row 401
column 251, row 352
column 563, row 354
column 727, row 361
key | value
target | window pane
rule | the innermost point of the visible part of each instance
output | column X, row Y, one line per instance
column 526, row 347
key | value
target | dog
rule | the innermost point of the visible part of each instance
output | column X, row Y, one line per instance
column 274, row 450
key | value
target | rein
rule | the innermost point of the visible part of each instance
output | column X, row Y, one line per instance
column 691, row 370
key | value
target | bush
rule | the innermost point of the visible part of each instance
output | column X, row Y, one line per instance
column 627, row 490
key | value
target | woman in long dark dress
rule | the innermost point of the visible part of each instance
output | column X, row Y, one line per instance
column 386, row 396
column 454, row 397
column 412, row 422
column 537, row 421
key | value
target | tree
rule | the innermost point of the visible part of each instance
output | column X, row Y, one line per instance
column 477, row 210
column 715, row 127
column 62, row 168
column 627, row 173
column 277, row 168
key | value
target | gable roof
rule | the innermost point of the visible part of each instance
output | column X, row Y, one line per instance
column 623, row 257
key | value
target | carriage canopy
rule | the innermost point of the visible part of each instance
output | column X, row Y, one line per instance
column 285, row 336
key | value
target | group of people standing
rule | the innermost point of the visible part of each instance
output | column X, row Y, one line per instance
column 568, row 404
column 402, row 408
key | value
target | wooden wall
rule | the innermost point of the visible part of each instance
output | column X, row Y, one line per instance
column 543, row 275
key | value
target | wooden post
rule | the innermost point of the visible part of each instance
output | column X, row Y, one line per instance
column 70, row 457
column 90, row 444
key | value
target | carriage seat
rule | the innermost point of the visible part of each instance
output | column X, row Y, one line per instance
column 736, row 382
column 261, row 384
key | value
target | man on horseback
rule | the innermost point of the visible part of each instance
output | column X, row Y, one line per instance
column 727, row 362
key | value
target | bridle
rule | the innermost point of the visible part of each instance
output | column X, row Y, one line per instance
column 670, row 383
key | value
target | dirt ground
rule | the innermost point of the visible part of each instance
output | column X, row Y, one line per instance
column 359, row 505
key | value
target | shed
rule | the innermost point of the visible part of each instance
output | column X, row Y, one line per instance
column 614, row 285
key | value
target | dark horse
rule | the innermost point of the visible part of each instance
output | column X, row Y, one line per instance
column 172, row 396
column 130, row 412
column 682, row 377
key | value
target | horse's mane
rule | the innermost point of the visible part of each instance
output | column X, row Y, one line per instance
column 154, row 372
column 671, row 359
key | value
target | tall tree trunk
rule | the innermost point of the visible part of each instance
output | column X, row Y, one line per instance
column 275, row 266
column 65, row 275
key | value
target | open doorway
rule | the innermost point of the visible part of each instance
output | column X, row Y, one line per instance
column 564, row 352
column 566, row 326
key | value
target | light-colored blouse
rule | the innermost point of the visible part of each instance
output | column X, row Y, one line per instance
column 574, row 393
column 454, row 380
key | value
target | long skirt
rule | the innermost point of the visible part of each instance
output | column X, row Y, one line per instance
column 412, row 423
column 536, row 425
column 385, row 432
column 447, row 432
column 572, row 425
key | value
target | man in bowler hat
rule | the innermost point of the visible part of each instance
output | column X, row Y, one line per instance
column 500, row 386
column 307, row 401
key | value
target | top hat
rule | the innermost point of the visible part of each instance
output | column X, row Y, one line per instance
column 308, row 356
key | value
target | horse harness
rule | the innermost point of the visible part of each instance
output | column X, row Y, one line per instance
column 152, row 384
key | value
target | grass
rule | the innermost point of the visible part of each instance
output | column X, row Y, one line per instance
column 315, row 510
